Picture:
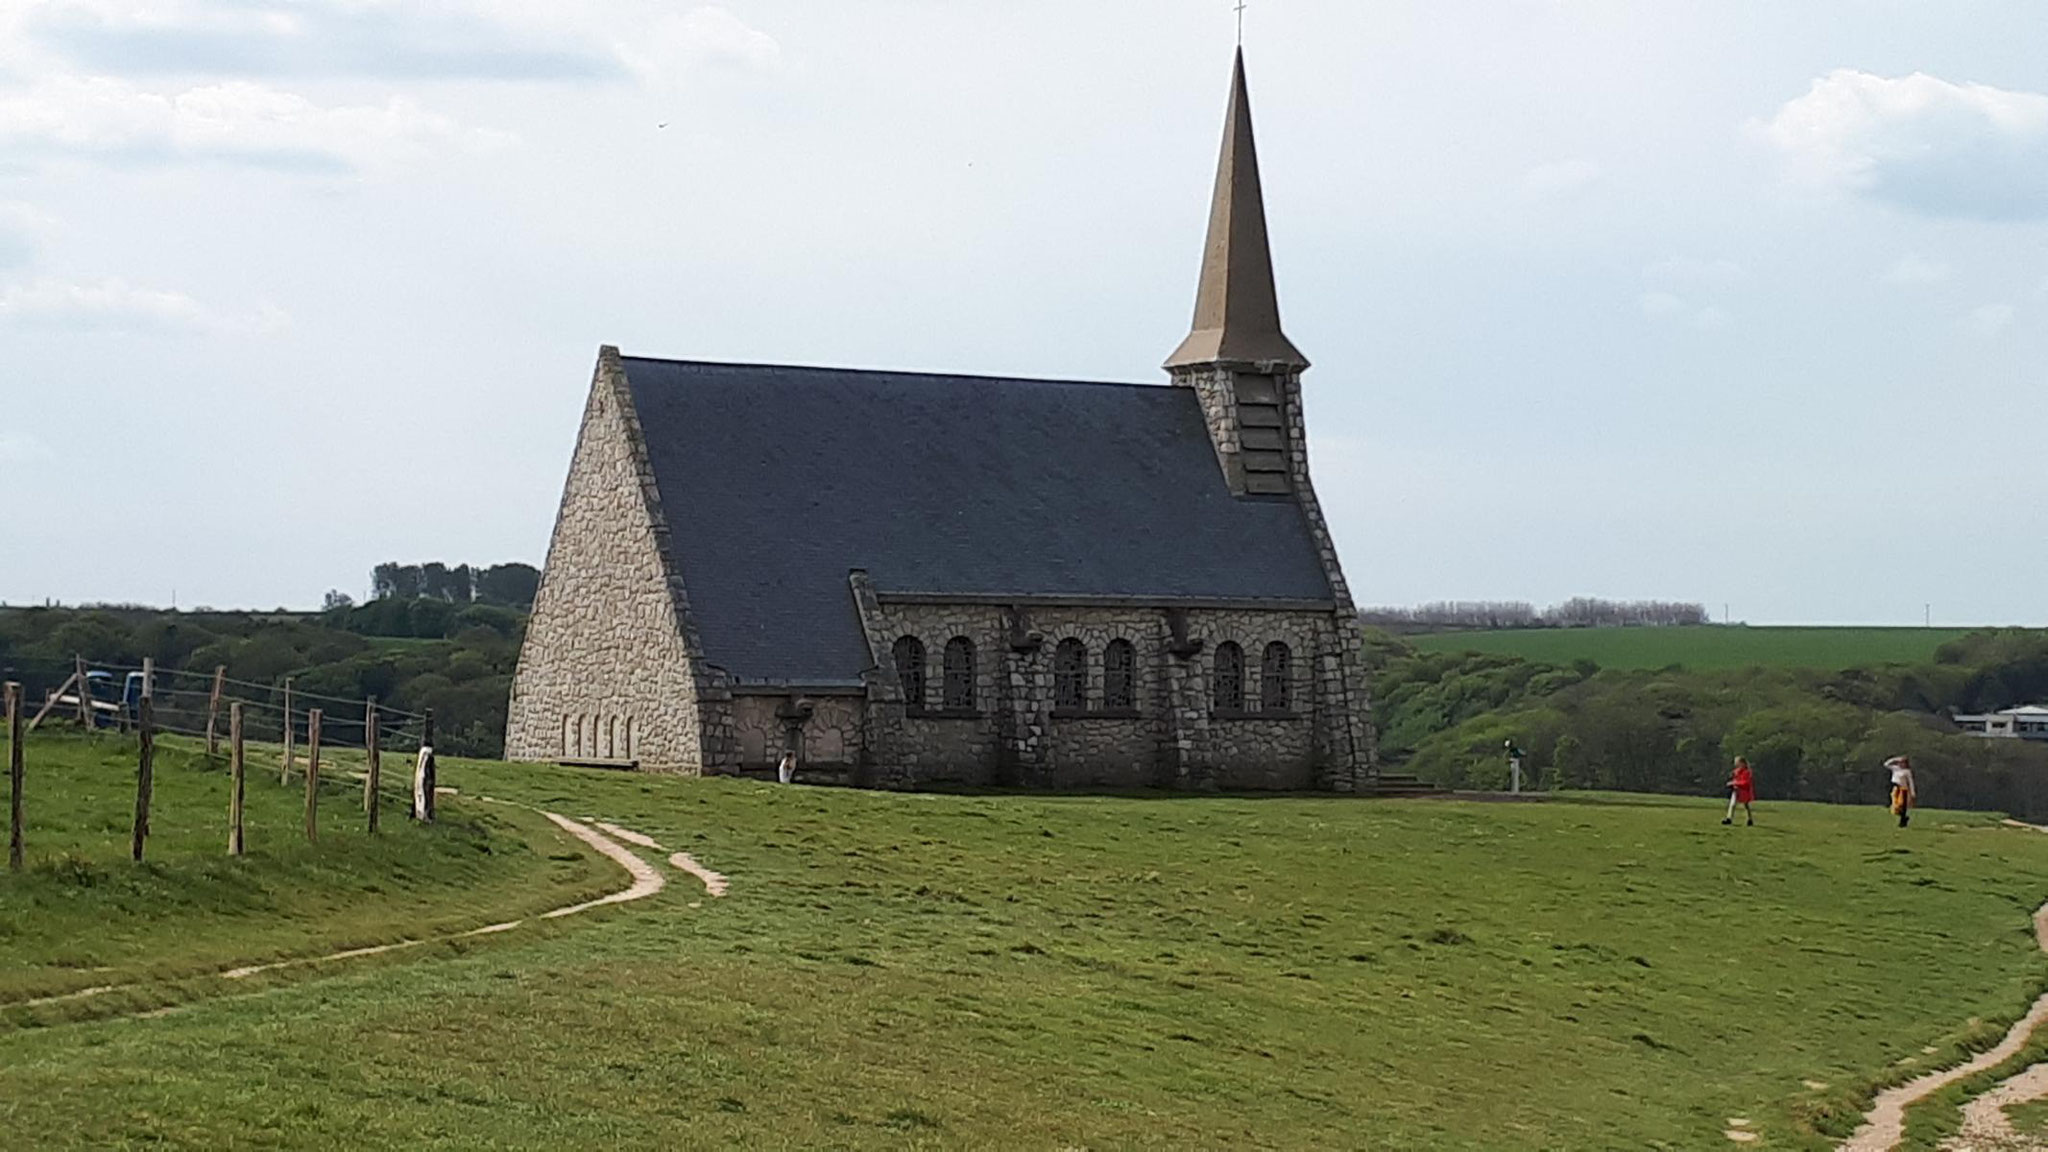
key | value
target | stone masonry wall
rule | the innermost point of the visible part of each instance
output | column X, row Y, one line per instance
column 829, row 737
column 1350, row 693
column 605, row 654
column 1350, row 740
column 991, row 743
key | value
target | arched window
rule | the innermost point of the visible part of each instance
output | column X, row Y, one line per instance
column 1226, row 693
column 1120, row 677
column 909, row 653
column 1070, row 676
column 960, row 674
column 1276, row 692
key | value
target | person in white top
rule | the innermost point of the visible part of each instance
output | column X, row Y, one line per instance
column 1903, row 795
column 786, row 771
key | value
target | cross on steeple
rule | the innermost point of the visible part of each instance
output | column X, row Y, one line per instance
column 1240, row 23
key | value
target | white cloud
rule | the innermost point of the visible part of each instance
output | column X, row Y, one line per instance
column 658, row 42
column 1684, row 273
column 1683, row 290
column 235, row 122
column 1989, row 320
column 1658, row 305
column 1561, row 177
column 1665, row 308
column 676, row 45
column 22, row 448
column 397, row 39
column 1912, row 271
column 1919, row 143
column 22, row 226
column 116, row 305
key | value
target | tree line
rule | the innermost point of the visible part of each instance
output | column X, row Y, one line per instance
column 414, row 655
column 507, row 585
column 1578, row 612
column 1809, row 734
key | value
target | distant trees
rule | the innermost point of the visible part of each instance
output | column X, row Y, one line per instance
column 510, row 585
column 1457, row 614
column 1578, row 612
column 1590, row 612
column 1810, row 734
column 457, row 660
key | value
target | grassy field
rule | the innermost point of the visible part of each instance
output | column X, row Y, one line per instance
column 1707, row 647
column 84, row 915
column 1050, row 972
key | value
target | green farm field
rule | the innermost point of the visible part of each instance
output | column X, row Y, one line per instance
column 1010, row 971
column 1705, row 647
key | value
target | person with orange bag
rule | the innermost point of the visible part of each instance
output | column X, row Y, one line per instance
column 1741, row 790
column 1904, row 795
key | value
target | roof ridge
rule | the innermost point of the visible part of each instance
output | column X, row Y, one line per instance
column 924, row 375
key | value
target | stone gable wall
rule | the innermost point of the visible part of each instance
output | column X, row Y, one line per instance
column 605, row 653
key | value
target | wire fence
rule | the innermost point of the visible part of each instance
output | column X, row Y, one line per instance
column 157, row 703
column 185, row 702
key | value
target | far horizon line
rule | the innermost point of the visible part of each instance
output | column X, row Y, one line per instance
column 210, row 609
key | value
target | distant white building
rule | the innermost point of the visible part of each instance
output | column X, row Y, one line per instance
column 2028, row 722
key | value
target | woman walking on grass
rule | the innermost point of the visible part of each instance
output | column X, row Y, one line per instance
column 1903, row 794
column 1741, row 790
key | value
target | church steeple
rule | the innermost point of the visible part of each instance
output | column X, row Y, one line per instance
column 1237, row 311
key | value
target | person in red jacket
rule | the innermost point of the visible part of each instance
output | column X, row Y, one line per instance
column 1741, row 790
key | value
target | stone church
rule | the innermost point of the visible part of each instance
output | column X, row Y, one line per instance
column 911, row 579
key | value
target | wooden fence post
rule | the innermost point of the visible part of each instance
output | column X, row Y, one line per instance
column 145, row 778
column 220, row 675
column 84, row 695
column 235, row 776
column 313, row 776
column 286, row 776
column 371, row 777
column 423, row 773
column 14, row 776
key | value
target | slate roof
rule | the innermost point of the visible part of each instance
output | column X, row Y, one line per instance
column 777, row 481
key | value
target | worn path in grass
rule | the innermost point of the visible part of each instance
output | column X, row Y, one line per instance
column 1884, row 1126
column 1031, row 971
column 87, row 932
column 1987, row 1121
column 642, row 882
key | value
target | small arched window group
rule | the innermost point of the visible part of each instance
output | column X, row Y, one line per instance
column 598, row 736
column 956, row 672
column 1070, row 676
column 1276, row 678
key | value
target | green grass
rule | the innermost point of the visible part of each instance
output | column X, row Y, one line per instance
column 83, row 914
column 1706, row 647
column 1047, row 972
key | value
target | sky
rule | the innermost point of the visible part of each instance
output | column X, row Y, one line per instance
column 1713, row 300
